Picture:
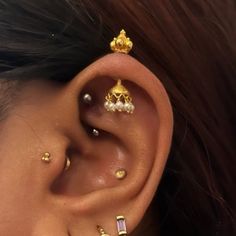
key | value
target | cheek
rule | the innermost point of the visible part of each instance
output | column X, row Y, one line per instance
column 20, row 185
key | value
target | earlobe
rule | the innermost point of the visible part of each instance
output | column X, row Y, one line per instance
column 137, row 143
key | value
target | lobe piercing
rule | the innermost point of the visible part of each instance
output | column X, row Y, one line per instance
column 96, row 133
column 121, row 226
column 119, row 98
column 121, row 174
column 46, row 157
column 87, row 98
column 67, row 164
column 101, row 231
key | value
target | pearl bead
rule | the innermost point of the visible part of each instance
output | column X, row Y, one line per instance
column 106, row 105
column 112, row 107
column 119, row 106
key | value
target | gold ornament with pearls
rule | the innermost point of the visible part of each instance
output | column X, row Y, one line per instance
column 119, row 98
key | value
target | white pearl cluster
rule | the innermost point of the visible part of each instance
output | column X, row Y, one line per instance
column 119, row 106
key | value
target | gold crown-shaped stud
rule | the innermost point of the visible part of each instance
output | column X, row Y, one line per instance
column 121, row 43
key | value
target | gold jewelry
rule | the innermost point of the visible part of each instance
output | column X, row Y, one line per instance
column 121, row 43
column 121, row 174
column 67, row 164
column 101, row 231
column 118, row 98
column 46, row 157
column 121, row 226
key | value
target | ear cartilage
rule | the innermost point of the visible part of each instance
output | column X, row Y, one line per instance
column 121, row 226
column 46, row 157
column 119, row 98
column 87, row 98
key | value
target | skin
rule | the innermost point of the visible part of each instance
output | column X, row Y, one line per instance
column 39, row 198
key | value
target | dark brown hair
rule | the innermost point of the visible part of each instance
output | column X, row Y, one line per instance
column 190, row 46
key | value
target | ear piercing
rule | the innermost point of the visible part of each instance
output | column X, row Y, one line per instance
column 101, row 231
column 46, row 157
column 96, row 133
column 119, row 98
column 121, row 43
column 121, row 174
column 121, row 225
column 67, row 164
column 87, row 98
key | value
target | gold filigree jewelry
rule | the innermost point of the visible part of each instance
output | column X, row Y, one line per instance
column 121, row 226
column 121, row 174
column 121, row 43
column 119, row 98
column 101, row 231
column 46, row 157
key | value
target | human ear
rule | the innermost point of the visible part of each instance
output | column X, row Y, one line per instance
column 89, row 191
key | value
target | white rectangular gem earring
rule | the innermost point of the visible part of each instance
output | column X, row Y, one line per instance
column 118, row 97
column 121, row 226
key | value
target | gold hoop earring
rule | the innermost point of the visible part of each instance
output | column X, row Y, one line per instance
column 67, row 164
column 118, row 97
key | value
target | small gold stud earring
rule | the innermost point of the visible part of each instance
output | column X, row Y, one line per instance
column 121, row 174
column 46, row 157
column 118, row 97
column 67, row 164
column 101, row 231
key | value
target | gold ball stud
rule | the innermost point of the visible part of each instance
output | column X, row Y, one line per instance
column 46, row 157
column 121, row 174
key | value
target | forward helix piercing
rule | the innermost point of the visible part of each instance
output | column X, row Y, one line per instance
column 118, row 97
